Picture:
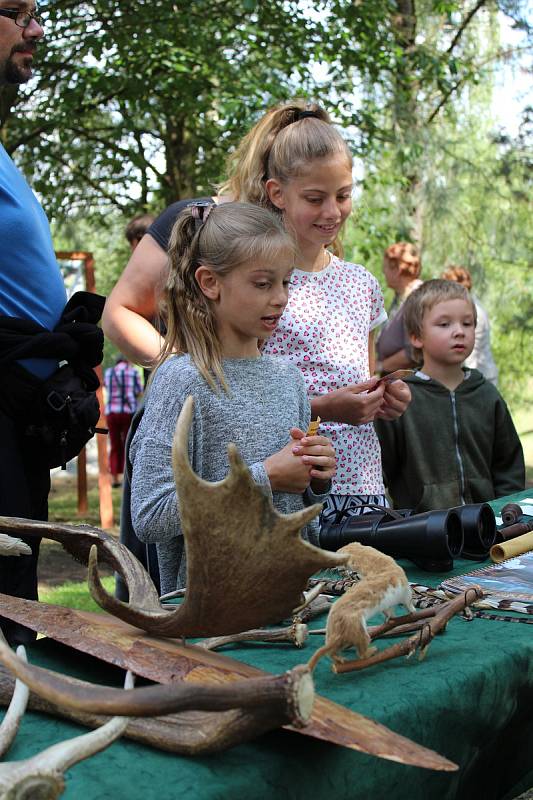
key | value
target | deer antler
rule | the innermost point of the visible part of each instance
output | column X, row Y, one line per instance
column 289, row 695
column 42, row 775
column 247, row 565
column 11, row 546
column 17, row 707
column 78, row 540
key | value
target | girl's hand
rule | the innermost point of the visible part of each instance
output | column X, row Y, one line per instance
column 286, row 471
column 318, row 453
column 395, row 400
column 353, row 404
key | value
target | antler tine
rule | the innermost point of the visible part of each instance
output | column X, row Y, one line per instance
column 180, row 443
column 149, row 617
column 12, row 546
column 42, row 775
column 183, row 471
column 15, row 712
column 78, row 540
column 65, row 754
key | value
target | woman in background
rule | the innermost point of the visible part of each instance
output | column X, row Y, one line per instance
column 401, row 267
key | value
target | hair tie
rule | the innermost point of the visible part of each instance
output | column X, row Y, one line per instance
column 200, row 212
column 303, row 114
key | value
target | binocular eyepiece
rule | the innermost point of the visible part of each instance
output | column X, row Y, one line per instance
column 431, row 539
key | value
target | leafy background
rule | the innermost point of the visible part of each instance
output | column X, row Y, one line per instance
column 136, row 105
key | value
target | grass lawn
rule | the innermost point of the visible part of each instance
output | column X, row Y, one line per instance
column 74, row 594
column 63, row 502
column 62, row 580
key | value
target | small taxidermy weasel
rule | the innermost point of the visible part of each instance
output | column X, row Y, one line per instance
column 383, row 585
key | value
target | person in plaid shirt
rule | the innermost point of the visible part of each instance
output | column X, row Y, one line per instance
column 123, row 388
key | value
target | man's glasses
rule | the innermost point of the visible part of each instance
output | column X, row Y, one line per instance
column 22, row 18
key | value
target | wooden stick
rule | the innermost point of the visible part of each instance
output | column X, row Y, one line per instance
column 397, row 624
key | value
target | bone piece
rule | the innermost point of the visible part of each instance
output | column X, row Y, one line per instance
column 309, row 596
column 226, row 523
column 511, row 513
column 42, row 775
column 319, row 605
column 174, row 594
column 295, row 633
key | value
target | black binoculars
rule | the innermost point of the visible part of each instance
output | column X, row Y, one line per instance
column 431, row 540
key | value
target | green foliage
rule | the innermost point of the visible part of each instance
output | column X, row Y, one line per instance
column 138, row 106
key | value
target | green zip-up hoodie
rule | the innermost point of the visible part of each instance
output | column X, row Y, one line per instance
column 450, row 448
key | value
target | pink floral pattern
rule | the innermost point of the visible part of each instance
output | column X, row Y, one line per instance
column 324, row 331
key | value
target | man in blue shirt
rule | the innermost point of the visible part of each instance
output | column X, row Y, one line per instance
column 31, row 288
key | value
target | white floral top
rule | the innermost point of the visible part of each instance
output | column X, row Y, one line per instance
column 324, row 331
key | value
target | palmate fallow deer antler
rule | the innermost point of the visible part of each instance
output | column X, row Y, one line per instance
column 247, row 564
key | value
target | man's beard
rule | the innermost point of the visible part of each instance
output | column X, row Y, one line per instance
column 11, row 73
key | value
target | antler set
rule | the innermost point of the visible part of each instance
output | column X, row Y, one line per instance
column 226, row 525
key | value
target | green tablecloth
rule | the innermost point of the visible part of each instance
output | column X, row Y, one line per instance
column 471, row 699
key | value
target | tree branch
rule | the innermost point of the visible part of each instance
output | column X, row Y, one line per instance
column 465, row 23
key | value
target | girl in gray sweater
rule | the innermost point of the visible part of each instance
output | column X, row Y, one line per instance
column 229, row 272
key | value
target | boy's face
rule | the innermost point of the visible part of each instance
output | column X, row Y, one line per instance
column 447, row 335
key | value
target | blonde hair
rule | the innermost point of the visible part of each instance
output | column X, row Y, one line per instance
column 424, row 299
column 404, row 257
column 281, row 145
column 459, row 275
column 231, row 235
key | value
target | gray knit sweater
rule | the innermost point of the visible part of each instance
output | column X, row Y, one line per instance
column 267, row 397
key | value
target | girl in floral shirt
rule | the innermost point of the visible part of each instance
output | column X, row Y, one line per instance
column 296, row 162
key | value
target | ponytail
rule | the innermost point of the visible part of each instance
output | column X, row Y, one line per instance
column 281, row 145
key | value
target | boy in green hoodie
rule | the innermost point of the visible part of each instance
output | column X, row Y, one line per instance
column 456, row 443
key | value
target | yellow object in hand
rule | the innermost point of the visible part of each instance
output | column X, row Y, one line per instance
column 313, row 427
